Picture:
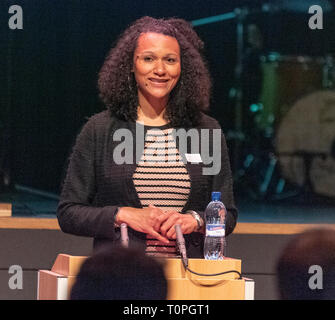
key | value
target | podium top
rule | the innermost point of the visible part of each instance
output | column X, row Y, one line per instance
column 68, row 265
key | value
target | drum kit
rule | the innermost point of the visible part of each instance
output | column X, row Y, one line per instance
column 295, row 114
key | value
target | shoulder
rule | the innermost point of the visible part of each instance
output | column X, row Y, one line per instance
column 207, row 122
column 97, row 126
column 101, row 122
column 100, row 118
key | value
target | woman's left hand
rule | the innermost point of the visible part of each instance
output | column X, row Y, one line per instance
column 187, row 224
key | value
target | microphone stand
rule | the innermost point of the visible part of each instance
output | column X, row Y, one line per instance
column 182, row 250
column 239, row 14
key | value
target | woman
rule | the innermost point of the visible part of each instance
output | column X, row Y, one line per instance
column 154, row 80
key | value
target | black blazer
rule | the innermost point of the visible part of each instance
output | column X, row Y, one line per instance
column 95, row 186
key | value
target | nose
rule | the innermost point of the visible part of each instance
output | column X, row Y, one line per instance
column 159, row 68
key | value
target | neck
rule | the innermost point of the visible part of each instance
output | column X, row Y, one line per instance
column 151, row 111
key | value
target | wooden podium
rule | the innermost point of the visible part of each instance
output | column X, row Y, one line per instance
column 182, row 285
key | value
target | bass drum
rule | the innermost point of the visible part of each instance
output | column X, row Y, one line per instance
column 309, row 128
column 285, row 80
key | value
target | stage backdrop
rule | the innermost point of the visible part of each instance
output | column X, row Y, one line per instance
column 49, row 69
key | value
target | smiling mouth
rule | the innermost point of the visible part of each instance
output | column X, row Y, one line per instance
column 158, row 81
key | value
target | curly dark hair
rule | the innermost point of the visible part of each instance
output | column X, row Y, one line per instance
column 191, row 95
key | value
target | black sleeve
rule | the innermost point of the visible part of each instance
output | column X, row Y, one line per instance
column 76, row 213
column 223, row 182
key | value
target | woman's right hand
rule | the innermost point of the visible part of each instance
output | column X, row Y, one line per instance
column 147, row 220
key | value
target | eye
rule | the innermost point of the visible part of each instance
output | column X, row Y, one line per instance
column 171, row 60
column 148, row 59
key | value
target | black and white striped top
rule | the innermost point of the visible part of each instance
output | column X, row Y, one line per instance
column 161, row 179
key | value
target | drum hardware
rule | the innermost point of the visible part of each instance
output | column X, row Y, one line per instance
column 236, row 93
column 307, row 158
column 259, row 181
column 272, row 184
column 258, row 177
column 264, row 187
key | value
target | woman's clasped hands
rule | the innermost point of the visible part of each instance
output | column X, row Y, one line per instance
column 156, row 222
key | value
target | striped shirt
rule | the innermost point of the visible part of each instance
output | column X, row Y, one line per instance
column 161, row 179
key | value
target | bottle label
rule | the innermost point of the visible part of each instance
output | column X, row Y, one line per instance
column 215, row 230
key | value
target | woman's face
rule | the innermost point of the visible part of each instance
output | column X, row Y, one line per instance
column 157, row 65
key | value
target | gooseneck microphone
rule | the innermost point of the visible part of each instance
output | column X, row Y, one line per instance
column 181, row 245
column 182, row 249
column 124, row 235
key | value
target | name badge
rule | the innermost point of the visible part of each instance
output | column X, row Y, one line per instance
column 193, row 157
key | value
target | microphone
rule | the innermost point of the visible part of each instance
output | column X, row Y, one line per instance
column 181, row 244
column 124, row 235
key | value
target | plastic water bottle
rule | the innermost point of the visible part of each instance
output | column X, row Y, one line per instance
column 215, row 215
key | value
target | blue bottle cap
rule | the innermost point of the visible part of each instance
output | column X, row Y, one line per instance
column 216, row 196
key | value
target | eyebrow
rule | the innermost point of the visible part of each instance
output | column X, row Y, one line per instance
column 151, row 52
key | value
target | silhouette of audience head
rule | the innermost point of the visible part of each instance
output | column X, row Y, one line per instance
column 118, row 273
column 306, row 267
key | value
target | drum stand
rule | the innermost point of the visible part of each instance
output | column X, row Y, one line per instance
column 258, row 183
column 306, row 191
column 273, row 184
column 239, row 14
column 269, row 184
